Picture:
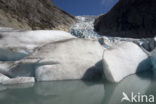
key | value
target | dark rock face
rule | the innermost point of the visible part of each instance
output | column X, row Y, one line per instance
column 33, row 14
column 129, row 18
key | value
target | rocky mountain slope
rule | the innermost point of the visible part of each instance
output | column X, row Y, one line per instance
column 34, row 14
column 129, row 18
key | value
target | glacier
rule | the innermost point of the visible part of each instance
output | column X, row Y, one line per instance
column 80, row 50
column 84, row 28
column 126, row 59
column 17, row 44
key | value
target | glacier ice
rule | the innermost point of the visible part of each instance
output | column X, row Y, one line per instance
column 16, row 44
column 127, row 58
column 84, row 28
column 18, row 80
column 72, row 59
column 35, row 53
column 3, row 78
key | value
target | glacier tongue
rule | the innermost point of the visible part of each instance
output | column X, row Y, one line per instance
column 84, row 28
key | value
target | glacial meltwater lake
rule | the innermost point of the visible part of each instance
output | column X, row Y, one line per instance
column 79, row 92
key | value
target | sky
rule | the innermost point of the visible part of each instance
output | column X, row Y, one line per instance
column 85, row 7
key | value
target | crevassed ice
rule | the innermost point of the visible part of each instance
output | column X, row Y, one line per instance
column 84, row 28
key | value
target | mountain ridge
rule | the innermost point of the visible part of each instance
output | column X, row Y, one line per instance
column 129, row 18
column 34, row 14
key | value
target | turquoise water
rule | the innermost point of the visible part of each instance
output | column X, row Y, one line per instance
column 78, row 92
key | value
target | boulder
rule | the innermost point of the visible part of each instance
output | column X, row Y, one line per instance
column 36, row 14
column 19, row 80
column 16, row 44
column 3, row 78
column 69, row 59
column 129, row 18
column 127, row 58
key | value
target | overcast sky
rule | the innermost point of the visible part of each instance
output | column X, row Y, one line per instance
column 85, row 7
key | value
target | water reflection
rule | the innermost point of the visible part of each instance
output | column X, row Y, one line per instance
column 78, row 92
column 134, row 83
column 72, row 92
column 61, row 92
